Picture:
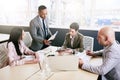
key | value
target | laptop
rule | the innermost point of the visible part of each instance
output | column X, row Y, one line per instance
column 63, row 63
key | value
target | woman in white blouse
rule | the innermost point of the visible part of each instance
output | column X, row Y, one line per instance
column 17, row 48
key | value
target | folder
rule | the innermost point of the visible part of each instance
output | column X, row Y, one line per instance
column 53, row 36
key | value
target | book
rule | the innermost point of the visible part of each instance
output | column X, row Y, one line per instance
column 53, row 36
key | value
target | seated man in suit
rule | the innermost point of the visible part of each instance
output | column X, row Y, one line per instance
column 110, row 67
column 73, row 40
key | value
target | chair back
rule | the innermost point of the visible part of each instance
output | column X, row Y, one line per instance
column 27, row 39
column 88, row 43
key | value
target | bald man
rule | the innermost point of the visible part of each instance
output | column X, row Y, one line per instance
column 110, row 67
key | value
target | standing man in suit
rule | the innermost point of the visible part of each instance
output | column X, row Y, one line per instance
column 110, row 67
column 39, row 30
column 73, row 40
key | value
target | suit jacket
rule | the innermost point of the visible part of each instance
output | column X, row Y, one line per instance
column 37, row 33
column 111, row 63
column 77, row 43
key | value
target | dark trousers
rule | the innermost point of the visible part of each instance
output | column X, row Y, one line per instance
column 44, row 46
column 99, row 77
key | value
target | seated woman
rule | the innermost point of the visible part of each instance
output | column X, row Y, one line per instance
column 16, row 48
column 73, row 40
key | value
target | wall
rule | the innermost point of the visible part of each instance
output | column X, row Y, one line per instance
column 61, row 35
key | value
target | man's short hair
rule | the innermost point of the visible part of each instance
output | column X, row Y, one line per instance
column 74, row 26
column 42, row 7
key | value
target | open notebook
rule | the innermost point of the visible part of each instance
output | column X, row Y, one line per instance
column 63, row 63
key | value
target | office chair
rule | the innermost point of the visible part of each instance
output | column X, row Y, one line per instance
column 27, row 39
column 88, row 43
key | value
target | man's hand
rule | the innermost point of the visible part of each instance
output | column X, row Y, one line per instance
column 46, row 42
column 90, row 53
column 69, row 51
column 65, row 51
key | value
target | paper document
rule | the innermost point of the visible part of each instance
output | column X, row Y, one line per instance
column 83, row 56
column 53, row 36
column 62, row 49
column 29, row 57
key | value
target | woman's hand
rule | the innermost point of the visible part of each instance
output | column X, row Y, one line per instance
column 80, row 63
column 37, row 56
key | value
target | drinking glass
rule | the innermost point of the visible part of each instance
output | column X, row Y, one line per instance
column 45, row 70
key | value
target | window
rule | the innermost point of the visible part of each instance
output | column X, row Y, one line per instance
column 90, row 14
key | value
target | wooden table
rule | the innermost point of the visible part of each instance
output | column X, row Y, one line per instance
column 77, row 75
column 72, row 75
column 18, row 72
column 32, row 72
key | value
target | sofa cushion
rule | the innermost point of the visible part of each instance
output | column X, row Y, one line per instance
column 3, row 55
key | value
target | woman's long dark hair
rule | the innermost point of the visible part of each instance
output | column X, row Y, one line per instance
column 15, row 35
